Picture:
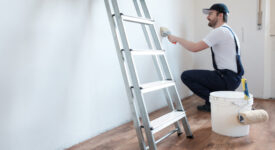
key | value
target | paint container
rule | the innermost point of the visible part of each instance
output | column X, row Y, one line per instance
column 225, row 107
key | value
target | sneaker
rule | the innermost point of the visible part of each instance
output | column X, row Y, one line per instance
column 204, row 107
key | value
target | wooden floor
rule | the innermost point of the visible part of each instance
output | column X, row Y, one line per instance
column 261, row 137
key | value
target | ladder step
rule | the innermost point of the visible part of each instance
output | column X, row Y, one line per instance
column 147, row 52
column 137, row 19
column 166, row 120
column 153, row 86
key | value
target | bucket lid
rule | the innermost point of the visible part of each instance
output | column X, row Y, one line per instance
column 229, row 94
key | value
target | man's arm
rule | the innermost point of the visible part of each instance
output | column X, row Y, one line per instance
column 191, row 46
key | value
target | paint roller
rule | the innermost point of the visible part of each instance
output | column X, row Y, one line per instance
column 164, row 32
column 251, row 116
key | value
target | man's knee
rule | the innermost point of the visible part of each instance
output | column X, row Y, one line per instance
column 186, row 76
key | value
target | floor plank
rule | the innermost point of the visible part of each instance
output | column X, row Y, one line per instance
column 262, row 135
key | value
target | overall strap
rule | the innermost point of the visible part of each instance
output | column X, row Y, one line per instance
column 213, row 59
column 236, row 44
column 238, row 57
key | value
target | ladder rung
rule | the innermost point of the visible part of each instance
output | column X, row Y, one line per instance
column 166, row 120
column 137, row 19
column 148, row 87
column 147, row 52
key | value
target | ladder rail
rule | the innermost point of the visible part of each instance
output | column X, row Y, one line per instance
column 163, row 57
column 162, row 64
column 156, row 61
column 185, row 123
column 149, row 42
column 134, row 114
column 156, row 40
column 138, row 94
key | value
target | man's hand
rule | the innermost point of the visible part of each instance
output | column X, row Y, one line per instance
column 172, row 39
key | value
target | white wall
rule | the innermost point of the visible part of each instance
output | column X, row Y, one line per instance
column 60, row 80
column 254, row 53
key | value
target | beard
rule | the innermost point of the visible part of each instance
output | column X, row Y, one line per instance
column 212, row 23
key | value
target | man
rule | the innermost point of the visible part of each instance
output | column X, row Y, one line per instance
column 225, row 56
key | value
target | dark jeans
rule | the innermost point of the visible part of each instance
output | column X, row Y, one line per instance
column 203, row 82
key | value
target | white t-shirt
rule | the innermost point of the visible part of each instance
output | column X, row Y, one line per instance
column 222, row 41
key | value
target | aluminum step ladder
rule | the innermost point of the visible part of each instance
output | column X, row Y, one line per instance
column 135, row 90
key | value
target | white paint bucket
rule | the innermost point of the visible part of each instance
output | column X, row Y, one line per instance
column 225, row 106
